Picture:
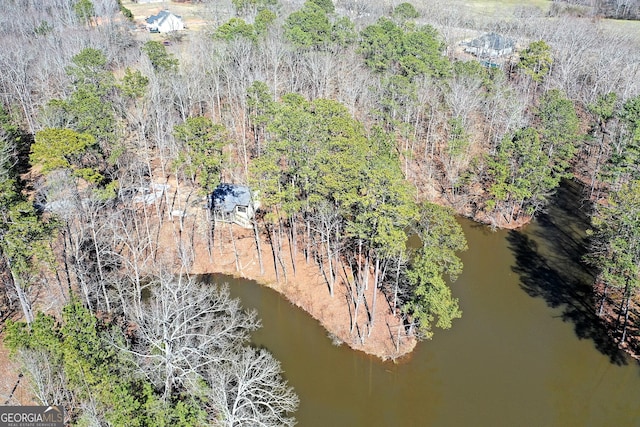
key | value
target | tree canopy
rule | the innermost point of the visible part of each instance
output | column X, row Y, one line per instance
column 161, row 60
column 411, row 51
column 202, row 156
column 309, row 27
column 431, row 303
column 536, row 60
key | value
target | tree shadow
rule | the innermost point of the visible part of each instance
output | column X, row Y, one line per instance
column 549, row 262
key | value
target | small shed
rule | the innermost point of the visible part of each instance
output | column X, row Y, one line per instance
column 164, row 22
column 490, row 45
column 233, row 203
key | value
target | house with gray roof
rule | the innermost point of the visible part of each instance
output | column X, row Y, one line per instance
column 233, row 203
column 490, row 45
column 164, row 22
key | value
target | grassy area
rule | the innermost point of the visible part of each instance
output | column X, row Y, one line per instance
column 193, row 15
column 629, row 28
column 503, row 7
column 196, row 16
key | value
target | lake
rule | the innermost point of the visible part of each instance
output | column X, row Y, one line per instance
column 528, row 350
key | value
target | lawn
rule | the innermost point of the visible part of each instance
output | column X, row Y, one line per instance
column 630, row 28
column 193, row 15
column 503, row 7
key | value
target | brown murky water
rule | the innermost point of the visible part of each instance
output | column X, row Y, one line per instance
column 527, row 352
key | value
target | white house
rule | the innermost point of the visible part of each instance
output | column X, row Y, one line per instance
column 164, row 22
column 490, row 45
column 233, row 203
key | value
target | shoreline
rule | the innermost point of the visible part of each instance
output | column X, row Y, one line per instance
column 233, row 252
column 305, row 288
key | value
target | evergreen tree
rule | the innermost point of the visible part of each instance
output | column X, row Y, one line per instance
column 24, row 236
column 161, row 60
column 430, row 303
column 521, row 176
column 622, row 166
column 559, row 131
column 528, row 166
column 413, row 51
column 536, row 60
column 89, row 374
column 405, row 11
column 67, row 149
column 234, row 28
column 308, row 28
column 616, row 249
column 203, row 154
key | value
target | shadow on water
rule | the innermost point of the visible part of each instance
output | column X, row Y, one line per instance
column 549, row 256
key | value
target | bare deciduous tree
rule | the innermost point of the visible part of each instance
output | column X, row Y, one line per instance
column 249, row 391
column 185, row 327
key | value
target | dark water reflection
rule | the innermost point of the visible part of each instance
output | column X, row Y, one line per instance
column 527, row 352
column 548, row 256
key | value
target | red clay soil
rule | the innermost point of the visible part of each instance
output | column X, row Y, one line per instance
column 306, row 287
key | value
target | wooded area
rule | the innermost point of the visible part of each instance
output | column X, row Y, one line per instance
column 616, row 9
column 362, row 129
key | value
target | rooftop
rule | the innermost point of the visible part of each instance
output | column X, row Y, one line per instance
column 160, row 17
column 227, row 196
column 492, row 41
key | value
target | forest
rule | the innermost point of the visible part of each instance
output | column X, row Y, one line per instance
column 362, row 128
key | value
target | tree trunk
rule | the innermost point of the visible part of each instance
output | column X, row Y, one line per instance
column 256, row 234
column 64, row 256
column 210, row 234
column 375, row 296
column 245, row 155
column 360, row 284
column 602, row 301
column 279, row 249
column 622, row 303
column 308, row 239
column 22, row 296
column 99, row 262
column 273, row 250
column 293, row 246
column 395, row 288
column 626, row 320
column 329, row 260
column 235, row 249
